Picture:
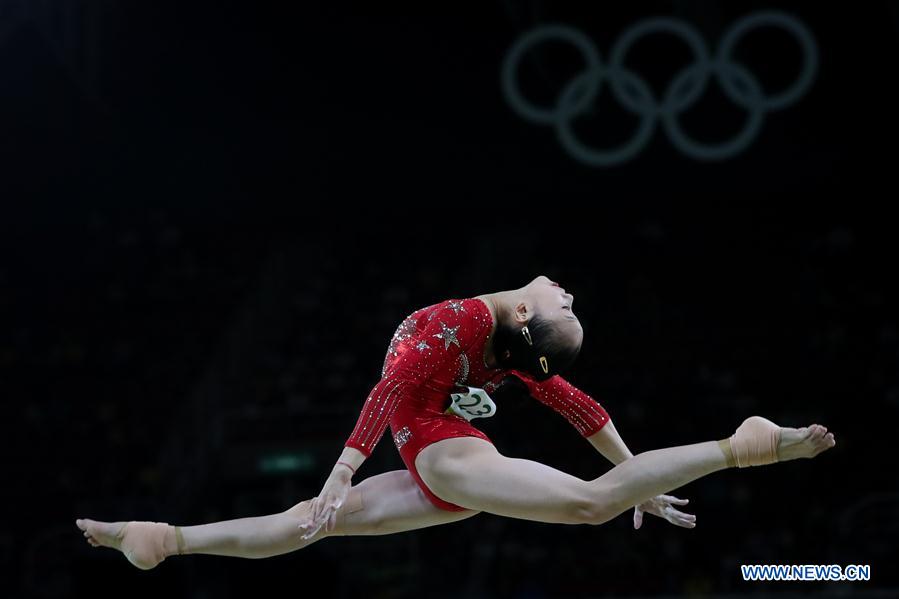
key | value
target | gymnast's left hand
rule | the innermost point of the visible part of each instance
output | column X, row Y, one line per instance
column 663, row 507
column 323, row 511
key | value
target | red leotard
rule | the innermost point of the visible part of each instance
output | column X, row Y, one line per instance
column 433, row 351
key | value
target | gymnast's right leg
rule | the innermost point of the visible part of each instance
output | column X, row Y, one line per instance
column 470, row 472
column 382, row 504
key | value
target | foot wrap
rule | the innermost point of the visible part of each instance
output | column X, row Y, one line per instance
column 724, row 445
column 755, row 442
column 179, row 539
column 143, row 543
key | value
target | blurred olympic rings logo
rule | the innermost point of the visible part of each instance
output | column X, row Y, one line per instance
column 635, row 95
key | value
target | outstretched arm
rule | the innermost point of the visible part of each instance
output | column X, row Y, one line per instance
column 583, row 412
column 594, row 423
column 324, row 508
column 609, row 443
column 449, row 331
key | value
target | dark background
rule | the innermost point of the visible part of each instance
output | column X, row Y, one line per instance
column 214, row 215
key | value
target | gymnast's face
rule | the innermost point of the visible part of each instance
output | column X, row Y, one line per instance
column 547, row 299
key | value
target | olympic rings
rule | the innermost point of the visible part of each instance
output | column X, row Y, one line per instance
column 635, row 95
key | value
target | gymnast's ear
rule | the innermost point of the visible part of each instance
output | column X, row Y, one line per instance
column 523, row 312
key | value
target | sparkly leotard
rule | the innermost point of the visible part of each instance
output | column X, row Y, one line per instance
column 433, row 352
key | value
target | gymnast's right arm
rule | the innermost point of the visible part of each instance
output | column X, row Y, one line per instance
column 448, row 333
column 368, row 431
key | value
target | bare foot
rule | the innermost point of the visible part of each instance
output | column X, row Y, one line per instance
column 102, row 534
column 805, row 442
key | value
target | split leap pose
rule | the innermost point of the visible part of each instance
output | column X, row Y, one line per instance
column 442, row 364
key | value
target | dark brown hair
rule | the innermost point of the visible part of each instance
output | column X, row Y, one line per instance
column 538, row 348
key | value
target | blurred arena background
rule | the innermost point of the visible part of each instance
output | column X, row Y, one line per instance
column 214, row 215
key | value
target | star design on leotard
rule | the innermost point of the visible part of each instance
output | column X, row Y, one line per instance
column 455, row 306
column 448, row 335
column 422, row 346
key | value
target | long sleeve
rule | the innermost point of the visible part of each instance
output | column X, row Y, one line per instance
column 376, row 412
column 424, row 356
column 582, row 411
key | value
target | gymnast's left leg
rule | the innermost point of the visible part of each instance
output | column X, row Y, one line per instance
column 382, row 504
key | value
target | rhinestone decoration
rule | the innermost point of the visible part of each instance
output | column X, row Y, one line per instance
column 462, row 370
column 448, row 335
column 402, row 436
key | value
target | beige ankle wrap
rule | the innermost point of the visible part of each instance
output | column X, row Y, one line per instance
column 755, row 442
column 143, row 543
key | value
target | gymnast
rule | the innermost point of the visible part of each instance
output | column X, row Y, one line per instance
column 441, row 367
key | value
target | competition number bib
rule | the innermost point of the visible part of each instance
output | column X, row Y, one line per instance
column 475, row 403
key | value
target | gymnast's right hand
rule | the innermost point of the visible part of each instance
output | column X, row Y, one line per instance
column 323, row 511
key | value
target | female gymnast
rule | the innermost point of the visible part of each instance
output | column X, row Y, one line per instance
column 441, row 366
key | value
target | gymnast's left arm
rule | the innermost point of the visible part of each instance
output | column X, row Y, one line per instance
column 609, row 444
column 583, row 412
column 588, row 416
column 594, row 423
